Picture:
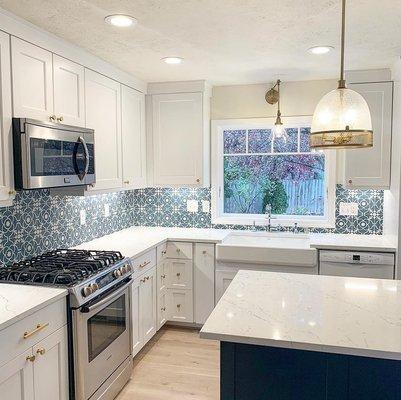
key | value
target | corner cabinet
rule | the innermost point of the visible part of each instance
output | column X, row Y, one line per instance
column 370, row 168
column 179, row 135
column 133, row 138
column 103, row 114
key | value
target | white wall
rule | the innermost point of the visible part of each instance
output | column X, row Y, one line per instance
column 248, row 101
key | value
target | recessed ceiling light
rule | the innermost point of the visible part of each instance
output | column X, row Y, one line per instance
column 173, row 60
column 319, row 50
column 121, row 20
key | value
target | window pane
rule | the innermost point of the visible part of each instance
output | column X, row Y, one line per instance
column 291, row 184
column 287, row 144
column 234, row 141
column 259, row 141
column 304, row 138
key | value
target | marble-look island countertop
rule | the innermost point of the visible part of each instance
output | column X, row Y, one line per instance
column 353, row 316
column 18, row 301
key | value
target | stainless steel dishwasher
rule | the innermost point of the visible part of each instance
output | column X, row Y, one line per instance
column 356, row 264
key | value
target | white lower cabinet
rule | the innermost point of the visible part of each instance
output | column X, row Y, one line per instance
column 50, row 367
column 144, row 309
column 223, row 279
column 16, row 378
column 162, row 308
column 181, row 306
column 180, row 274
column 40, row 370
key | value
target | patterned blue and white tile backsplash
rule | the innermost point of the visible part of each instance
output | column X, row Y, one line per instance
column 38, row 222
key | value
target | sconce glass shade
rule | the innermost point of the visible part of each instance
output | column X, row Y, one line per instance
column 341, row 120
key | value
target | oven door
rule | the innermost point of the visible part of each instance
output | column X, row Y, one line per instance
column 57, row 157
column 102, row 339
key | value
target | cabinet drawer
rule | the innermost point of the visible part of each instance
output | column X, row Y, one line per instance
column 144, row 263
column 12, row 340
column 181, row 250
column 181, row 306
column 179, row 274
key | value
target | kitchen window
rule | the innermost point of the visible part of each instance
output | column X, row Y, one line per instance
column 251, row 169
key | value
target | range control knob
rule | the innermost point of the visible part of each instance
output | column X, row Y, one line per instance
column 117, row 273
column 124, row 269
column 94, row 287
column 129, row 267
column 87, row 291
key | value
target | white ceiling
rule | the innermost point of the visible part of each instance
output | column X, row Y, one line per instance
column 224, row 41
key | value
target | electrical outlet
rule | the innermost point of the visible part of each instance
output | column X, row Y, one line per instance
column 82, row 217
column 106, row 210
column 205, row 206
column 350, row 209
column 192, row 205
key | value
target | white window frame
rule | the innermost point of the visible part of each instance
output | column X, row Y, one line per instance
column 217, row 177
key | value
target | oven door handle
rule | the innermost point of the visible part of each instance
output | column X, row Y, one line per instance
column 111, row 296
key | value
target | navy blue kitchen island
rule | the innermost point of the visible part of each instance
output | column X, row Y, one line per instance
column 300, row 337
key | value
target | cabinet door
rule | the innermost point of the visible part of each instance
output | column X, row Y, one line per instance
column 177, row 139
column 6, row 180
column 180, row 274
column 51, row 367
column 203, row 281
column 162, row 276
column 147, row 305
column 16, row 378
column 103, row 114
column 162, row 308
column 69, row 99
column 181, row 306
column 370, row 168
column 223, row 280
column 32, row 80
column 133, row 138
column 137, row 340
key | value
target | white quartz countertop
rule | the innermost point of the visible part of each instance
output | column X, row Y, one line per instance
column 134, row 241
column 19, row 301
column 341, row 315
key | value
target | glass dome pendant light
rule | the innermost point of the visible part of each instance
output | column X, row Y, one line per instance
column 342, row 117
column 273, row 97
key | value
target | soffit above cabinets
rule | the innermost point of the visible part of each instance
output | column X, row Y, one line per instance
column 224, row 42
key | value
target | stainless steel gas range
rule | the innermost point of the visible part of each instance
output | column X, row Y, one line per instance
column 99, row 311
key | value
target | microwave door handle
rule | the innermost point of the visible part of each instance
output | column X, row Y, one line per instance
column 82, row 140
column 105, row 300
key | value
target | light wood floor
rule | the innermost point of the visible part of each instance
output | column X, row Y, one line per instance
column 175, row 365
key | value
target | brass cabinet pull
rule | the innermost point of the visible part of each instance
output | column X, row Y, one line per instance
column 144, row 264
column 178, row 274
column 178, row 250
column 41, row 351
column 60, row 119
column 163, row 309
column 198, row 180
column 38, row 328
column 147, row 278
column 30, row 358
column 52, row 118
column 204, row 251
column 178, row 305
column 164, row 252
column 143, row 280
column 163, row 276
column 126, row 182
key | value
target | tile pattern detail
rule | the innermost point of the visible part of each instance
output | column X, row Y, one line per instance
column 38, row 222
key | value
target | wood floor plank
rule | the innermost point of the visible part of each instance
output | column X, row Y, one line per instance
column 175, row 364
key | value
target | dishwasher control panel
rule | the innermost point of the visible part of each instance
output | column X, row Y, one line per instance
column 357, row 257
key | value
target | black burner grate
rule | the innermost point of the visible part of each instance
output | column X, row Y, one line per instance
column 62, row 267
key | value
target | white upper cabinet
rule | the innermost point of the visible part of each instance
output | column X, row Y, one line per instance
column 32, row 80
column 133, row 138
column 179, row 144
column 370, row 168
column 103, row 114
column 69, row 98
column 6, row 179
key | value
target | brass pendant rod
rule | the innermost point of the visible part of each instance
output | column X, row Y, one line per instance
column 341, row 82
column 278, row 102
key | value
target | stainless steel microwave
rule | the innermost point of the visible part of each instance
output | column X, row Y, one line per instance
column 48, row 155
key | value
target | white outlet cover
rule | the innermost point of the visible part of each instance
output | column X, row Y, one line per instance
column 192, row 206
column 82, row 217
column 106, row 210
column 350, row 209
column 205, row 206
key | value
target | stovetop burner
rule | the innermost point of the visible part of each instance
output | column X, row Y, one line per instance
column 62, row 267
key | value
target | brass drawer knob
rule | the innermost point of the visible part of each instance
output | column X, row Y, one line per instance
column 52, row 118
column 178, row 305
column 204, row 251
column 198, row 180
column 163, row 276
column 30, row 358
column 178, row 274
column 41, row 351
column 60, row 119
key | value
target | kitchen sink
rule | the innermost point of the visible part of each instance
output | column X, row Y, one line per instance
column 270, row 248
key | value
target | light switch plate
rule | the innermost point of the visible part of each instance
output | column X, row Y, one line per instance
column 350, row 209
column 106, row 210
column 192, row 206
column 205, row 206
column 82, row 217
